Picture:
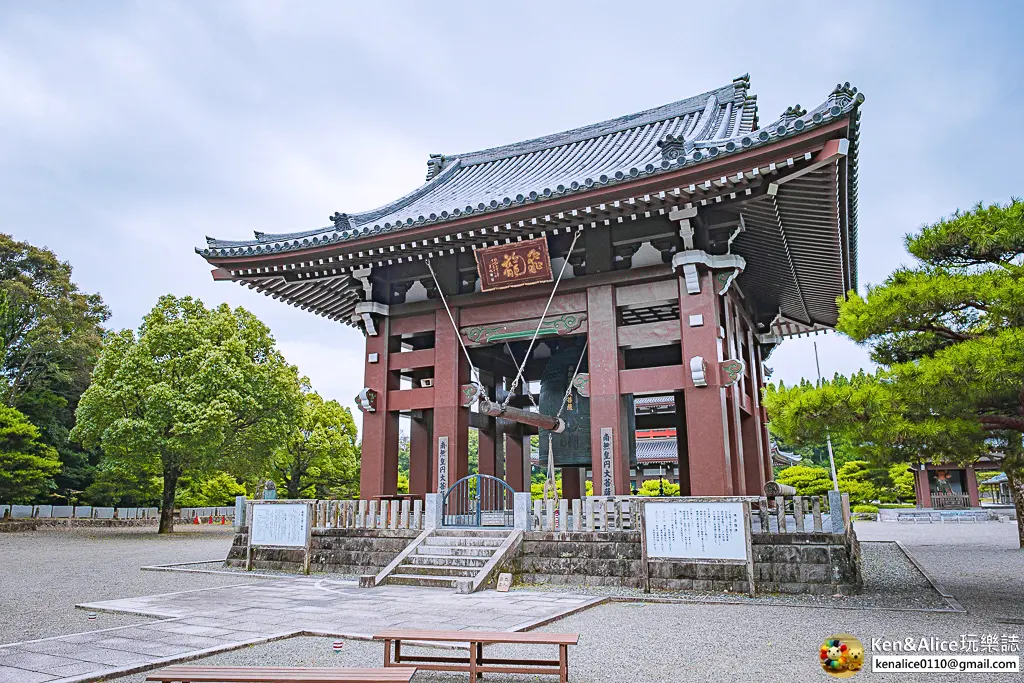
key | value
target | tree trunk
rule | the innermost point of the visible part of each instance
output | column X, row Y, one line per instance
column 1015, row 478
column 171, row 475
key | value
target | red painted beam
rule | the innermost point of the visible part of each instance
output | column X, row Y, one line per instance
column 649, row 380
column 411, row 399
column 523, row 310
column 412, row 324
column 412, row 360
column 649, row 334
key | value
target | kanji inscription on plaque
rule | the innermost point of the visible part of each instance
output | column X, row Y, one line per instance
column 514, row 264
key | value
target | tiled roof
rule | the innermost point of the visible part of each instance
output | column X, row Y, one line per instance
column 716, row 123
column 656, row 450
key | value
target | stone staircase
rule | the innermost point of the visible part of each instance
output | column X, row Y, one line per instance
column 448, row 557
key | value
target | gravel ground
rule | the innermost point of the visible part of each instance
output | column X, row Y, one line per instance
column 891, row 581
column 979, row 564
column 982, row 564
column 46, row 573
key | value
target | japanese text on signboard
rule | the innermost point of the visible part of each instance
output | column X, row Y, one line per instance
column 695, row 530
column 514, row 264
column 442, row 464
column 607, row 476
column 279, row 524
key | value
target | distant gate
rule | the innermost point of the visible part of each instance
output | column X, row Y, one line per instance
column 479, row 500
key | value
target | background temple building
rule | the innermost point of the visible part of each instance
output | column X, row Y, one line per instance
column 637, row 273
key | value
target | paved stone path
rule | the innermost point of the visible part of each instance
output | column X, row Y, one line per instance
column 193, row 623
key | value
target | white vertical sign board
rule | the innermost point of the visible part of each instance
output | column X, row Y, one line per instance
column 279, row 524
column 442, row 465
column 696, row 531
column 607, row 467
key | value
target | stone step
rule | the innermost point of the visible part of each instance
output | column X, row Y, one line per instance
column 476, row 533
column 464, row 541
column 429, row 581
column 456, row 550
column 437, row 570
column 448, row 560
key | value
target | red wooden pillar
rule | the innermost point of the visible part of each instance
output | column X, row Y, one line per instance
column 517, row 468
column 682, row 448
column 606, row 409
column 734, row 395
column 419, row 454
column 922, row 490
column 972, row 486
column 379, row 469
column 572, row 483
column 707, row 424
column 451, row 420
column 486, row 450
column 753, row 448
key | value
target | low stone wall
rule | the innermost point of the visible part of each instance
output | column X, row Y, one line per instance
column 12, row 525
column 340, row 551
column 783, row 563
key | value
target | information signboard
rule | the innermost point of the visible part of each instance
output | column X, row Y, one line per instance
column 697, row 531
column 279, row 524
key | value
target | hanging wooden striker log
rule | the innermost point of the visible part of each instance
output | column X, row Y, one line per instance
column 554, row 424
column 774, row 488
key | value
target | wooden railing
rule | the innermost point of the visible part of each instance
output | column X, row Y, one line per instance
column 950, row 501
column 582, row 515
column 368, row 514
column 799, row 515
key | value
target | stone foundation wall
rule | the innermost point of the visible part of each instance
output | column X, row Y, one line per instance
column 13, row 525
column 783, row 563
column 339, row 551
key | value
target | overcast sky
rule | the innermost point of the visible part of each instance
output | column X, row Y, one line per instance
column 129, row 130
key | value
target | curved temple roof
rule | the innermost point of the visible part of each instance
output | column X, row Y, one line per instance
column 717, row 123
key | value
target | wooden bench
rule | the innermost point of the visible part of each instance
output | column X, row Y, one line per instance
column 278, row 674
column 476, row 664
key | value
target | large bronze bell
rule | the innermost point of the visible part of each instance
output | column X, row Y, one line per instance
column 572, row 446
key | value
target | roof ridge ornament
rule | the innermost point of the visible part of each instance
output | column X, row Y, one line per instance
column 844, row 94
column 340, row 221
column 435, row 164
column 792, row 114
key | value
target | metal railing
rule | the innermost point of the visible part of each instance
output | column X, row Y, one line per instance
column 479, row 500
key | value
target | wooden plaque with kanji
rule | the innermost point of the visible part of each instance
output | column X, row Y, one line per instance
column 514, row 265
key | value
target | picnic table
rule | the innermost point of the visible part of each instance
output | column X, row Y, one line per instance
column 476, row 663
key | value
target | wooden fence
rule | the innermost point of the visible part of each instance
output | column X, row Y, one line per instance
column 799, row 515
column 368, row 514
column 582, row 515
column 781, row 514
column 950, row 501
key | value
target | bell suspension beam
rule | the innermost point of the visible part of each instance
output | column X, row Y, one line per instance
column 539, row 420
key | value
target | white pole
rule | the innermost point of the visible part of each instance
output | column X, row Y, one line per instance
column 828, row 434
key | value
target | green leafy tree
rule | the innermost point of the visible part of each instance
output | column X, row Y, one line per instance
column 50, row 332
column 652, row 487
column 807, row 480
column 219, row 490
column 27, row 465
column 902, row 478
column 194, row 392
column 320, row 453
column 948, row 334
column 123, row 484
column 50, row 336
column 855, row 478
